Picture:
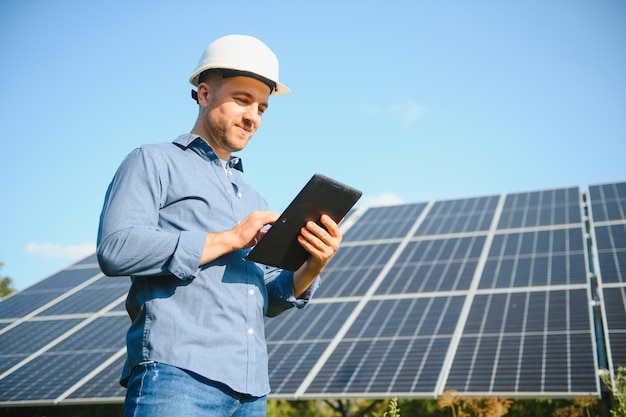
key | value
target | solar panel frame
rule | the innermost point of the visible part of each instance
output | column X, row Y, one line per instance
column 607, row 224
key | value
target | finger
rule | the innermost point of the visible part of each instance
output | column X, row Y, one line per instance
column 315, row 234
column 331, row 226
column 265, row 217
column 317, row 252
column 321, row 247
column 331, row 236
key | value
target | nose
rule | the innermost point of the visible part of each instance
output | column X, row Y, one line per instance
column 252, row 115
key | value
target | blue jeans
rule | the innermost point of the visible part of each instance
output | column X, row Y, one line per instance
column 159, row 390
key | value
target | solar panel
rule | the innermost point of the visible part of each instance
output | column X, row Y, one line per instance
column 55, row 371
column 538, row 208
column 380, row 223
column 534, row 342
column 434, row 265
column 608, row 230
column 101, row 384
column 51, row 290
column 608, row 201
column 458, row 216
column 355, row 268
column 494, row 295
column 75, row 328
column 395, row 345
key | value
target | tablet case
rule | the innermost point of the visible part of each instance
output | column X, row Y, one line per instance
column 321, row 195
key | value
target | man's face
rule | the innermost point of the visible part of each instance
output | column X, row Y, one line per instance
column 233, row 113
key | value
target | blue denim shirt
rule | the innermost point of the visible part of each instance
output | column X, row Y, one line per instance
column 207, row 319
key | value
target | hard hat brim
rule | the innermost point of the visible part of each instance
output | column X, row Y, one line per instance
column 278, row 90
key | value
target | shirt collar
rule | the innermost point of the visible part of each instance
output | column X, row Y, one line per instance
column 202, row 148
column 235, row 162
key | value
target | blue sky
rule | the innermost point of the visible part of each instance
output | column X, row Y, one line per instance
column 409, row 101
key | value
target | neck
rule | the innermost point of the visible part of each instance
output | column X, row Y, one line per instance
column 221, row 153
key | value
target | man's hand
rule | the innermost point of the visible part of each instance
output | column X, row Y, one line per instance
column 246, row 234
column 251, row 229
column 322, row 244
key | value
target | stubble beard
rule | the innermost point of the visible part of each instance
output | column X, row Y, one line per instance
column 223, row 133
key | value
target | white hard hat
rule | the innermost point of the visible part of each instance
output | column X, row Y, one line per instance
column 241, row 55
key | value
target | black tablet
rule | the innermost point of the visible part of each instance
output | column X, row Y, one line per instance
column 321, row 195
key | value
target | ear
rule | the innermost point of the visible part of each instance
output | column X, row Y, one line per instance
column 204, row 93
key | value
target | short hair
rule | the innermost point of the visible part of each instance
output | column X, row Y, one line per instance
column 212, row 77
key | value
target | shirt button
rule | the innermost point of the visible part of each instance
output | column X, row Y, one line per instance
column 251, row 292
column 250, row 331
column 239, row 195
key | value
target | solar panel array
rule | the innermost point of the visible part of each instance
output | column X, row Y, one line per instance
column 518, row 294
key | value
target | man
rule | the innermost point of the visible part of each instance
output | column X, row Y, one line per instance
column 179, row 219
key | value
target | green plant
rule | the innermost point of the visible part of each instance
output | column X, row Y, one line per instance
column 618, row 391
column 393, row 410
column 585, row 404
column 448, row 399
column 479, row 407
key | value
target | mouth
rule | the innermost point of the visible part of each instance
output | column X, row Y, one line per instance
column 243, row 128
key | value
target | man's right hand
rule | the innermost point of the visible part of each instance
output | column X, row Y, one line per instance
column 251, row 229
column 246, row 234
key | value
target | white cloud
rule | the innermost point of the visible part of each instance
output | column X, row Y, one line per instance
column 408, row 110
column 55, row 251
column 384, row 199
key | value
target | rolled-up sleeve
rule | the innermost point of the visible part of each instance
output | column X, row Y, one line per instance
column 280, row 291
column 130, row 241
